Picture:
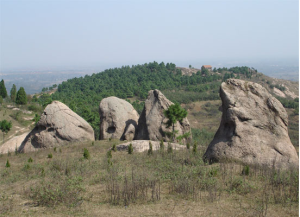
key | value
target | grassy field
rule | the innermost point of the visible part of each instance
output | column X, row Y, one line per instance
column 65, row 182
column 62, row 182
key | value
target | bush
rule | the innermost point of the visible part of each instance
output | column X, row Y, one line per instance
column 130, row 149
column 114, row 147
column 108, row 154
column 188, row 145
column 34, row 108
column 50, row 155
column 58, row 191
column 7, row 164
column 26, row 167
column 86, row 154
column 30, row 160
column 195, row 148
column 246, row 170
column 161, row 146
column 150, row 151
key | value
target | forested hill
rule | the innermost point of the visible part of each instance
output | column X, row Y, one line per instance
column 84, row 94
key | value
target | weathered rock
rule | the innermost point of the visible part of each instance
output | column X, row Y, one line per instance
column 58, row 125
column 143, row 145
column 118, row 119
column 12, row 144
column 253, row 129
column 152, row 122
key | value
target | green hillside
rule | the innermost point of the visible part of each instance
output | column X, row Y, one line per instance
column 84, row 94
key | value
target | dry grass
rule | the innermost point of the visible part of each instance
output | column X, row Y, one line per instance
column 184, row 185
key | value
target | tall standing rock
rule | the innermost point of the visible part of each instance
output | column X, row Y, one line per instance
column 253, row 128
column 118, row 119
column 152, row 122
column 57, row 126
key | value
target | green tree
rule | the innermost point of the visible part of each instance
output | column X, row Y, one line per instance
column 21, row 97
column 1, row 100
column 5, row 126
column 13, row 93
column 3, row 91
column 174, row 113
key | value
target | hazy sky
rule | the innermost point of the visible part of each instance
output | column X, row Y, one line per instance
column 69, row 34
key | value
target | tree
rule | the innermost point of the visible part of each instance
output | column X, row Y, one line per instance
column 3, row 91
column 174, row 113
column 5, row 126
column 13, row 93
column 21, row 97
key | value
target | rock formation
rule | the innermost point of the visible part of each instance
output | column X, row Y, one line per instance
column 143, row 145
column 58, row 125
column 12, row 144
column 253, row 129
column 151, row 124
column 118, row 119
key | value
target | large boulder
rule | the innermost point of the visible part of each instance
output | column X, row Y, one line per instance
column 118, row 119
column 152, row 122
column 253, row 129
column 58, row 125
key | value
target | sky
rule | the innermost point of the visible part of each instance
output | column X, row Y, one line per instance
column 65, row 34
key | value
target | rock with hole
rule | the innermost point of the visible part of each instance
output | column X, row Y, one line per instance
column 253, row 128
column 58, row 125
column 118, row 119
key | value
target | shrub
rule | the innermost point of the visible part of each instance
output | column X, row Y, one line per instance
column 54, row 149
column 58, row 191
column 195, row 148
column 130, row 149
column 50, row 155
column 114, row 147
column 86, row 154
column 7, row 164
column 30, row 160
column 246, row 170
column 188, row 145
column 26, row 167
column 108, row 154
column 161, row 146
column 150, row 151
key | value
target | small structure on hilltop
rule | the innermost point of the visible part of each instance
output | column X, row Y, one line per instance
column 118, row 119
column 253, row 129
column 57, row 126
column 208, row 67
column 152, row 124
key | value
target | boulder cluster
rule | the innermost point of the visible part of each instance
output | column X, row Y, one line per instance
column 253, row 128
column 119, row 120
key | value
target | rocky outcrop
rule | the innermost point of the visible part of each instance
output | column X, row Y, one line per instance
column 58, row 125
column 143, row 145
column 152, row 122
column 118, row 119
column 12, row 144
column 253, row 129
